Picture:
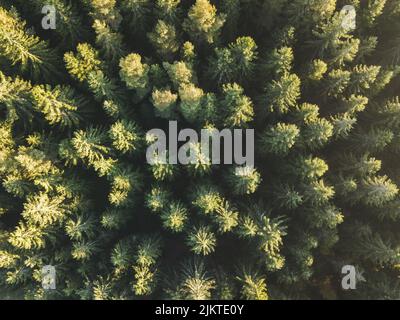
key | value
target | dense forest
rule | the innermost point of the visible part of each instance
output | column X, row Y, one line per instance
column 76, row 190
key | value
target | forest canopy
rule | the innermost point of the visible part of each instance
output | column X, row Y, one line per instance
column 77, row 193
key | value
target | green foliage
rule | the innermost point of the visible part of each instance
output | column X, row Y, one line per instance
column 238, row 108
column 268, row 234
column 243, row 180
column 22, row 49
column 193, row 284
column 201, row 240
column 253, row 287
column 157, row 199
column 376, row 191
column 81, row 65
column 279, row 139
column 179, row 73
column 174, row 217
column 125, row 136
column 164, row 101
column 282, row 94
column 234, row 63
column 133, row 72
column 59, row 106
column 164, row 39
column 111, row 43
column 147, row 253
column 202, row 22
column 190, row 105
column 77, row 193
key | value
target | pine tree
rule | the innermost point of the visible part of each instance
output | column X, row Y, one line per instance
column 134, row 73
column 206, row 199
column 174, row 217
column 157, row 199
column 374, row 139
column 282, row 94
column 168, row 9
column 179, row 73
column 201, row 240
column 238, row 108
column 83, row 250
column 280, row 138
column 268, row 234
column 147, row 253
column 70, row 27
column 15, row 98
column 375, row 191
column 317, row 133
column 80, row 227
column 81, row 65
column 234, row 63
column 243, row 180
column 193, row 284
column 191, row 98
column 110, row 42
column 202, row 22
column 27, row 237
column 42, row 210
column 309, row 167
column 27, row 51
column 88, row 144
column 164, row 39
column 370, row 246
column 58, row 105
column 125, row 136
column 288, row 197
column 253, row 286
column 164, row 101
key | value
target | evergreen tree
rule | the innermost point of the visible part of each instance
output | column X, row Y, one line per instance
column 201, row 240
column 282, row 94
column 243, row 180
column 58, row 105
column 235, row 63
column 20, row 48
column 164, row 39
column 134, row 73
column 279, row 139
column 202, row 22
column 238, row 108
column 253, row 286
column 193, row 284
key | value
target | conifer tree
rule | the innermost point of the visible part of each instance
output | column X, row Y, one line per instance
column 238, row 107
column 253, row 287
column 58, row 105
column 243, row 180
column 134, row 73
column 164, row 39
column 193, row 283
column 26, row 51
column 203, row 22
column 234, row 63
column 201, row 240
column 174, row 217
column 279, row 139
